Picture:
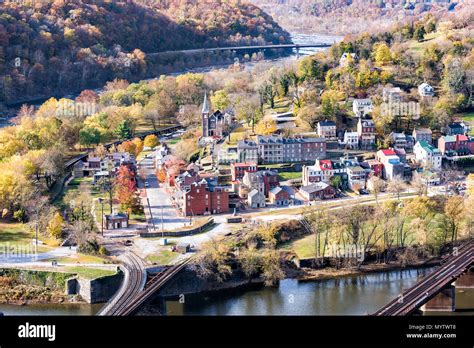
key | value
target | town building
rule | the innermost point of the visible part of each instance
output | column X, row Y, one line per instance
column 323, row 171
column 428, row 155
column 115, row 221
column 402, row 141
column 204, row 199
column 366, row 132
column 392, row 95
column 454, row 145
column 356, row 176
column 425, row 90
column 228, row 155
column 455, row 128
column 247, row 151
column 319, row 190
column 278, row 149
column 351, row 140
column 279, row 196
column 256, row 199
column 420, row 134
column 327, row 129
column 376, row 167
column 215, row 125
column 392, row 166
column 238, row 170
column 262, row 181
column 362, row 107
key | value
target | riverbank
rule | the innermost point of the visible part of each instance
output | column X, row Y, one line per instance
column 310, row 274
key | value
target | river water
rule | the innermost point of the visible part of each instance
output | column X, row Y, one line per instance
column 354, row 295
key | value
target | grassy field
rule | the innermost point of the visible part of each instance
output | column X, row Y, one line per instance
column 417, row 48
column 78, row 258
column 283, row 176
column 468, row 117
column 304, row 247
column 281, row 105
column 163, row 257
column 89, row 273
column 17, row 235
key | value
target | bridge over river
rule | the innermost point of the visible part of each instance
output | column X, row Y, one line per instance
column 436, row 291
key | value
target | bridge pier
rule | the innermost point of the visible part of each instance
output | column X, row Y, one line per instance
column 466, row 281
column 444, row 301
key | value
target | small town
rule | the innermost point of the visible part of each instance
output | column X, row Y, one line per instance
column 244, row 170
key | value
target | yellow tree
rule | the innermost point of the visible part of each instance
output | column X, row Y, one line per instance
column 55, row 226
column 382, row 54
column 151, row 141
column 266, row 127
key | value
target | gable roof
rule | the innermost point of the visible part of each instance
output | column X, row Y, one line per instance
column 388, row 152
column 427, row 147
column 316, row 187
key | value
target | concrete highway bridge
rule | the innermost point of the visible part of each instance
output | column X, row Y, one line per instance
column 436, row 291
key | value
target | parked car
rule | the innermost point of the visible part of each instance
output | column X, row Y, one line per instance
column 363, row 192
column 128, row 242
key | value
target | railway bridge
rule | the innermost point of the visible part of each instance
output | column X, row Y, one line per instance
column 135, row 291
column 436, row 291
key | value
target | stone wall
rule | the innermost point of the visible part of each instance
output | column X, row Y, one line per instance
column 98, row 290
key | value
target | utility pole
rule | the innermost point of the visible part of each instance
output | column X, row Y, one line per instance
column 151, row 215
column 162, row 224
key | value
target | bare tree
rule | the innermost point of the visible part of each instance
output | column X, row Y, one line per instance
column 396, row 186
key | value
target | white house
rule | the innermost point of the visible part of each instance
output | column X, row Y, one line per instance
column 351, row 140
column 256, row 199
column 327, row 129
column 425, row 90
column 362, row 107
column 428, row 155
column 393, row 94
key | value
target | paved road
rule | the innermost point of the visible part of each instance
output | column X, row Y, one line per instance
column 160, row 202
column 26, row 258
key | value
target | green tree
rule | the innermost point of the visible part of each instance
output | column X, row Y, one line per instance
column 123, row 130
column 89, row 136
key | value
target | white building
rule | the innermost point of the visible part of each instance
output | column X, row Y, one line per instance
column 256, row 199
column 428, row 155
column 425, row 90
column 362, row 107
column 393, row 94
column 327, row 129
column 351, row 140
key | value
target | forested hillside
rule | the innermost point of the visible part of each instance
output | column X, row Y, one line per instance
column 64, row 46
column 355, row 16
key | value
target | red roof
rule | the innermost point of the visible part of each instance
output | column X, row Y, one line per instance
column 325, row 164
column 462, row 138
column 388, row 152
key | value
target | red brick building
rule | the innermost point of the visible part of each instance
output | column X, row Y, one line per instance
column 201, row 199
column 458, row 143
column 376, row 167
column 238, row 169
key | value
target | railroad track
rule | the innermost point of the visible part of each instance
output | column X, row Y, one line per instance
column 132, row 285
column 430, row 285
column 153, row 286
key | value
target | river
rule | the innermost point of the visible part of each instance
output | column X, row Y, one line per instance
column 297, row 38
column 354, row 295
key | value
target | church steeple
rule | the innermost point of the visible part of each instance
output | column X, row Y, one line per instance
column 205, row 106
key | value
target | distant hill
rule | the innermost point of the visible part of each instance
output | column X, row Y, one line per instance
column 354, row 16
column 69, row 45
